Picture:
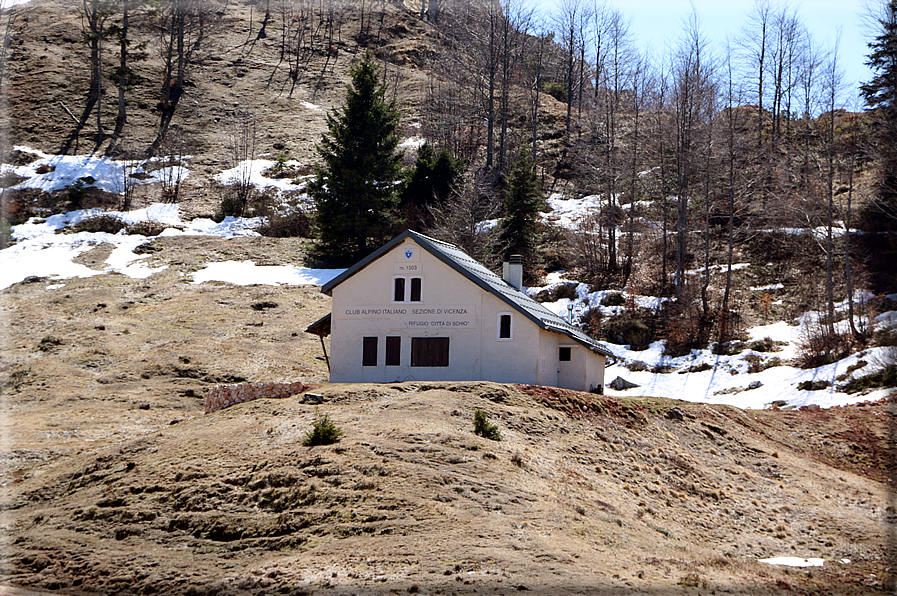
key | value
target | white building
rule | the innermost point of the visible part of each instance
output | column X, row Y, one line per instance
column 419, row 309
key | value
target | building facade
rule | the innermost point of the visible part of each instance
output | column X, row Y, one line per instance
column 419, row 309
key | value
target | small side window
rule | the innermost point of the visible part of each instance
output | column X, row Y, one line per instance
column 399, row 290
column 415, row 289
column 564, row 354
column 504, row 326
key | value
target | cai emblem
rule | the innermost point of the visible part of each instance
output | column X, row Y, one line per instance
column 408, row 254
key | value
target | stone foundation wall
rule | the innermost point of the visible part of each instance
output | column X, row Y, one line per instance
column 222, row 396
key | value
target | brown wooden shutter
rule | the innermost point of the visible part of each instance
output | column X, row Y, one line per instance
column 415, row 289
column 369, row 351
column 440, row 350
column 393, row 350
column 429, row 351
column 399, row 295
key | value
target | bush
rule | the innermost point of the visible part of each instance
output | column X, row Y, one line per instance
column 634, row 328
column 100, row 223
column 231, row 206
column 819, row 346
column 813, row 385
column 613, row 299
column 728, row 348
column 483, row 428
column 755, row 363
column 556, row 90
column 685, row 328
column 323, row 431
column 146, row 228
column 886, row 377
column 772, row 363
column 284, row 219
column 76, row 192
column 764, row 345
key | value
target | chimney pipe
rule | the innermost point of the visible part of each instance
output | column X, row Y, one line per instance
column 514, row 275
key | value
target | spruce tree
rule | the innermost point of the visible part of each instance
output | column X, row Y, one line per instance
column 355, row 189
column 428, row 186
column 519, row 233
column 881, row 95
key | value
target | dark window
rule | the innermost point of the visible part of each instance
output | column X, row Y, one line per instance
column 415, row 289
column 399, row 295
column 504, row 327
column 429, row 351
column 393, row 351
column 564, row 354
column 369, row 351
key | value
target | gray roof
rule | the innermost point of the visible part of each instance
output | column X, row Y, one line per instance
column 476, row 272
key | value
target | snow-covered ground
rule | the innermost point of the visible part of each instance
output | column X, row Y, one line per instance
column 727, row 379
column 701, row 376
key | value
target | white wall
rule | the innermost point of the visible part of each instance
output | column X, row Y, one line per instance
column 452, row 306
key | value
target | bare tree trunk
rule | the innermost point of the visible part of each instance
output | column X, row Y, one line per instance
column 122, row 117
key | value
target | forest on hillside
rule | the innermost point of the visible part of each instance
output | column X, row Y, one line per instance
column 703, row 157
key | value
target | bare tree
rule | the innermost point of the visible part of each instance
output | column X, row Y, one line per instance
column 833, row 83
column 572, row 24
column 755, row 41
column 692, row 91
column 94, row 15
column 243, row 144
column 172, row 173
column 183, row 26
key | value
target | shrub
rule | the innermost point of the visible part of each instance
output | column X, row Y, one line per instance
column 100, row 223
column 484, row 428
column 556, row 90
column 636, row 365
column 634, row 328
column 886, row 377
column 813, row 385
column 76, row 192
column 231, row 206
column 146, row 228
column 290, row 223
column 613, row 299
column 323, row 431
column 772, row 363
column 764, row 345
column 819, row 346
column 728, row 348
column 755, row 363
column 685, row 328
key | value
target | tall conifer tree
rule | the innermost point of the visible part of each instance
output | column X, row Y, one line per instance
column 881, row 94
column 355, row 190
column 523, row 201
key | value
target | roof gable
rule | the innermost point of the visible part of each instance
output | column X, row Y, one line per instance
column 477, row 273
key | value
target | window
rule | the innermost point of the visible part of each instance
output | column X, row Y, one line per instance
column 369, row 351
column 564, row 354
column 407, row 289
column 504, row 327
column 393, row 351
column 429, row 351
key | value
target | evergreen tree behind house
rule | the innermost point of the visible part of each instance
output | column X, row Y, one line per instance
column 519, row 229
column 881, row 94
column 428, row 186
column 355, row 191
